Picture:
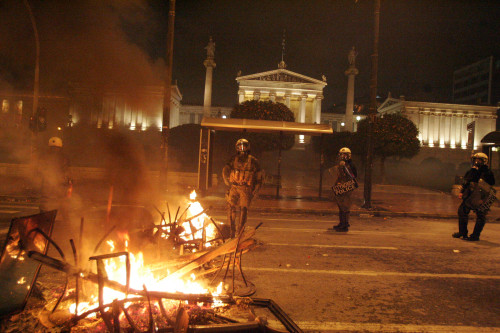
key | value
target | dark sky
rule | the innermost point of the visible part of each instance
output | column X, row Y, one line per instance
column 122, row 43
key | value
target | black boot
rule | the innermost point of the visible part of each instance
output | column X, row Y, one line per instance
column 341, row 218
column 459, row 235
column 344, row 223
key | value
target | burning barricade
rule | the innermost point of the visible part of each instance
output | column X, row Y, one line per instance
column 188, row 278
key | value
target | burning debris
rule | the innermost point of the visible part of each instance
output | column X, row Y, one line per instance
column 188, row 278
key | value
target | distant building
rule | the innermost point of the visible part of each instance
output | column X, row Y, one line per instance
column 442, row 125
column 300, row 93
column 478, row 83
column 111, row 108
column 193, row 114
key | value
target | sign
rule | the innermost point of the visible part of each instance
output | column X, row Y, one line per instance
column 342, row 188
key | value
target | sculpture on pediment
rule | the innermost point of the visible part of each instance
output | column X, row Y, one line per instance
column 352, row 56
column 210, row 49
column 323, row 77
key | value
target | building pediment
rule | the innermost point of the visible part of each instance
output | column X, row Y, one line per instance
column 280, row 75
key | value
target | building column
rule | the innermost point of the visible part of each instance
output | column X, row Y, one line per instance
column 272, row 96
column 351, row 74
column 317, row 109
column 256, row 95
column 447, row 130
column 287, row 99
column 302, row 110
column 241, row 96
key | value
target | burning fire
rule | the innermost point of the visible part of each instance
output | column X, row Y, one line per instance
column 196, row 225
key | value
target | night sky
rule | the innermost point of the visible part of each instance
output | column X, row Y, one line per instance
column 121, row 43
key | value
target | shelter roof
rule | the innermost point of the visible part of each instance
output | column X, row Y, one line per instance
column 265, row 126
column 492, row 138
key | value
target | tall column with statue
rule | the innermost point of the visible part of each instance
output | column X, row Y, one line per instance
column 351, row 73
column 210, row 65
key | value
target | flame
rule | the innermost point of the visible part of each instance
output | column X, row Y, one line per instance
column 192, row 196
column 141, row 275
column 193, row 227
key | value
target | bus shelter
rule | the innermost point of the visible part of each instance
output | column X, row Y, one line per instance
column 210, row 125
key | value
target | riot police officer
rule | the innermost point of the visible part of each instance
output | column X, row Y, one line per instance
column 56, row 188
column 244, row 177
column 344, row 180
column 479, row 170
column 56, row 183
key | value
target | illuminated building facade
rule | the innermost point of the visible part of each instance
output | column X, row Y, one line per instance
column 445, row 125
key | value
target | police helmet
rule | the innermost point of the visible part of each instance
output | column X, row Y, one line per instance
column 480, row 156
column 345, row 153
column 242, row 145
column 55, row 142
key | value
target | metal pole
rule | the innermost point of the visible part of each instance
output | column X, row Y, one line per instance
column 167, row 96
column 279, row 167
column 373, row 110
column 36, row 84
column 321, row 162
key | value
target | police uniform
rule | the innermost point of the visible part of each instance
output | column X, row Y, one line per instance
column 243, row 174
column 343, row 173
column 473, row 176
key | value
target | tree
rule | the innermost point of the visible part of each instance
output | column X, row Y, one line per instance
column 393, row 135
column 265, row 110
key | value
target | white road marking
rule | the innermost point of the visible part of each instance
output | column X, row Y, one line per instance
column 4, row 211
column 375, row 327
column 370, row 232
column 372, row 273
column 19, row 206
column 336, row 246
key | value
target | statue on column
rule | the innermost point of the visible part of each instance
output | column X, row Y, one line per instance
column 210, row 49
column 352, row 57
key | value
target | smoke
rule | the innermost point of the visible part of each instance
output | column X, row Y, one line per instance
column 92, row 43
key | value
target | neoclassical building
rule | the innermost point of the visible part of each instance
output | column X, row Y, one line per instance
column 300, row 93
column 443, row 125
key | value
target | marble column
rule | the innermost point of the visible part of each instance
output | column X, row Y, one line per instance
column 317, row 109
column 302, row 110
column 272, row 96
column 351, row 73
column 241, row 96
column 210, row 65
column 256, row 95
column 287, row 100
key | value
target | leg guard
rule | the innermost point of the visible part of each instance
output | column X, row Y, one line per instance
column 341, row 218
column 346, row 219
column 243, row 219
column 231, row 216
column 478, row 227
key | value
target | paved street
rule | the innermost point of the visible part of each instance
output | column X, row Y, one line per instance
column 385, row 275
column 388, row 274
